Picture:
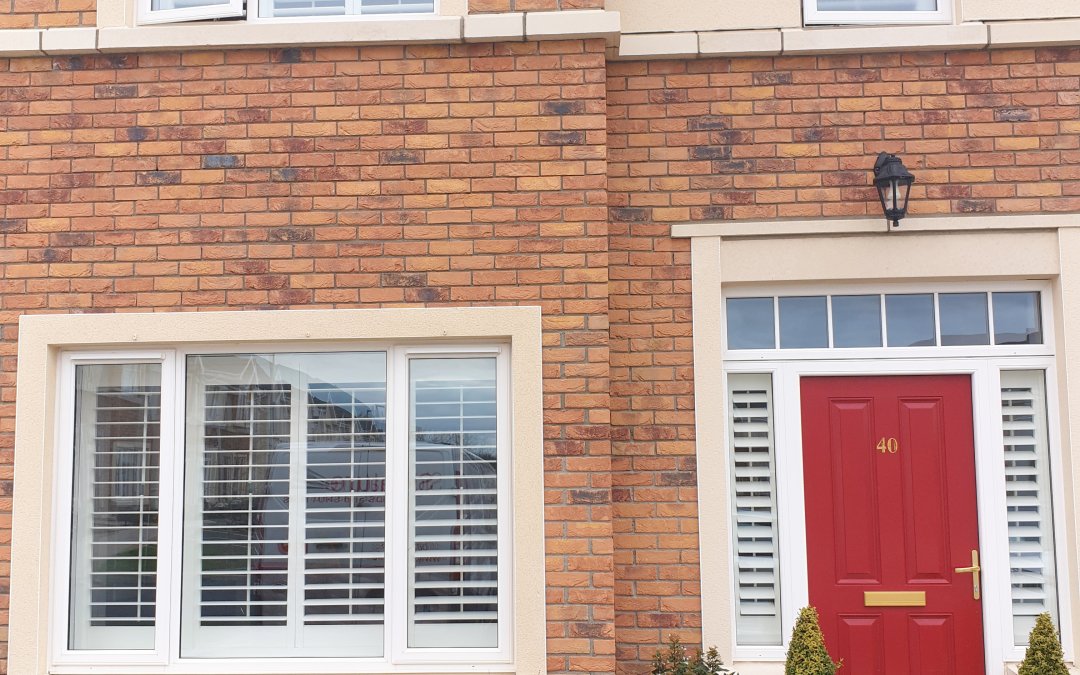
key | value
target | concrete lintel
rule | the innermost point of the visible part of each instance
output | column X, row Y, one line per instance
column 69, row 41
column 884, row 38
column 572, row 25
column 740, row 43
column 495, row 27
column 20, row 42
column 658, row 46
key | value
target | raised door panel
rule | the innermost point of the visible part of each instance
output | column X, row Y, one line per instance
column 854, row 492
column 932, row 645
column 923, row 460
column 862, row 641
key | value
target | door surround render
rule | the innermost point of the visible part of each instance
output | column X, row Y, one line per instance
column 991, row 253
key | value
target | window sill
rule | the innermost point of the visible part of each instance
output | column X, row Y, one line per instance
column 284, row 667
column 563, row 25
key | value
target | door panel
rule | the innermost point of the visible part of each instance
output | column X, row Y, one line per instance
column 889, row 467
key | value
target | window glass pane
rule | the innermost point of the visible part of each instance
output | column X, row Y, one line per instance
column 396, row 6
column 753, row 496
column 804, row 322
column 856, row 320
column 750, row 323
column 910, row 320
column 286, row 8
column 115, row 506
column 1017, row 319
column 964, row 319
column 1028, row 500
column 285, row 476
column 877, row 5
column 453, row 452
column 184, row 4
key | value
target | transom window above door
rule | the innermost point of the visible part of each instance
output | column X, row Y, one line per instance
column 892, row 320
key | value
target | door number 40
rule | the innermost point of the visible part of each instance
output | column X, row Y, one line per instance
column 888, row 445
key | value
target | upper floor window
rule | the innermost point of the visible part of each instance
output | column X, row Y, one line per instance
column 877, row 11
column 167, row 11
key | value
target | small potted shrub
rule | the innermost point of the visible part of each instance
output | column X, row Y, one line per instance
column 1043, row 655
column 806, row 653
column 675, row 661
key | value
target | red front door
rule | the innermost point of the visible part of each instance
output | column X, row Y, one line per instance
column 889, row 465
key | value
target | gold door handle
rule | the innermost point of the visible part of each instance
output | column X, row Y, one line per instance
column 974, row 572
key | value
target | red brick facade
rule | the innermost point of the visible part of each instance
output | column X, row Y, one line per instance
column 516, row 173
column 47, row 13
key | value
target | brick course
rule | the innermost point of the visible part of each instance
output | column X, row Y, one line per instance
column 47, row 13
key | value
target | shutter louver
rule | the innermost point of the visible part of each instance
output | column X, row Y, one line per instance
column 245, row 509
column 454, row 557
column 1028, row 499
column 753, row 478
column 345, row 506
column 119, row 455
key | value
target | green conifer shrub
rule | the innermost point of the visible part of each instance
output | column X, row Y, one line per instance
column 675, row 661
column 807, row 654
column 1043, row 655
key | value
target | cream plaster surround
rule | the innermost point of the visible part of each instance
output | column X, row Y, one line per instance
column 955, row 249
column 43, row 337
column 1010, row 10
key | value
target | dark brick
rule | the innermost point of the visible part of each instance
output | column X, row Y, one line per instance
column 858, row 75
column 134, row 134
column 562, row 138
column 562, row 107
column 564, row 448
column 405, row 126
column 12, row 225
column 768, row 77
column 403, row 279
column 248, row 115
column 116, row 91
column 680, row 478
column 975, row 206
column 73, row 239
column 267, row 282
column 709, row 123
column 668, row 96
column 220, row 161
column 157, row 178
column 292, row 234
column 590, row 496
column 710, row 152
column 73, row 63
column 624, row 214
column 712, row 213
column 1014, row 114
column 286, row 175
column 291, row 55
column 402, row 157
column 50, row 255
column 733, row 166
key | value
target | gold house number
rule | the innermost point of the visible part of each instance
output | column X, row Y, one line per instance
column 889, row 445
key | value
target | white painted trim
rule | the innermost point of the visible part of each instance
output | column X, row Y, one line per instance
column 793, row 228
column 223, row 9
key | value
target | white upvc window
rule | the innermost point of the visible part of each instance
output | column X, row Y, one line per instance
column 173, row 11
column 170, row 11
column 345, row 507
column 834, row 12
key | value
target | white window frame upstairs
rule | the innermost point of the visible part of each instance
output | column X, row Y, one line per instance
column 224, row 10
column 812, row 16
column 166, row 657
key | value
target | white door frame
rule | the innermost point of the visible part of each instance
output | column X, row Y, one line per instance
column 990, row 483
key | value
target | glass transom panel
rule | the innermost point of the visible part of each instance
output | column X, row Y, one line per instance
column 892, row 320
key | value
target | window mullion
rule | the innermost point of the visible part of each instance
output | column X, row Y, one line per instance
column 397, row 506
column 297, row 483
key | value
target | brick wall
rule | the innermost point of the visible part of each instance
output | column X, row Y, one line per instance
column 383, row 176
column 47, row 13
column 491, row 6
column 792, row 137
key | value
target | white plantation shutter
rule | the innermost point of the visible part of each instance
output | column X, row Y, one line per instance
column 1028, row 499
column 287, row 456
column 115, row 523
column 753, row 491
column 245, row 510
column 453, row 566
column 345, row 510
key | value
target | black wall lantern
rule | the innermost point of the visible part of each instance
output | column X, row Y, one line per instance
column 893, row 182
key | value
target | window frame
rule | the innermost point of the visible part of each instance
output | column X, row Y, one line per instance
column 175, row 606
column 812, row 16
column 43, row 339
column 145, row 15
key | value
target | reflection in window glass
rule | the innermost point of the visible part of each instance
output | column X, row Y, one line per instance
column 964, row 319
column 856, row 320
column 804, row 322
column 910, row 320
column 1017, row 319
column 750, row 323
